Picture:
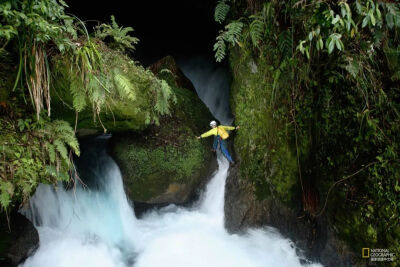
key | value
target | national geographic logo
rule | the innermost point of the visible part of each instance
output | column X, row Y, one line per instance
column 365, row 253
column 378, row 254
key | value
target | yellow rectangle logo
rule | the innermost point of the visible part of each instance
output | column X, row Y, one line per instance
column 365, row 253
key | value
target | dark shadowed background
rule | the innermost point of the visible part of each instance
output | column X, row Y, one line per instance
column 182, row 28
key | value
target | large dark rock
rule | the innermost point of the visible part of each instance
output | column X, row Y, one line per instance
column 166, row 163
column 312, row 236
column 157, row 173
column 19, row 243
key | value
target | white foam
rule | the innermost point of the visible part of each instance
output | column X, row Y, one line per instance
column 98, row 228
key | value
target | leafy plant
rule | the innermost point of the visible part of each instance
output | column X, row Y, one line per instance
column 221, row 11
column 331, row 102
column 120, row 38
column 231, row 34
column 256, row 29
column 33, row 152
column 164, row 96
column 33, row 24
column 58, row 58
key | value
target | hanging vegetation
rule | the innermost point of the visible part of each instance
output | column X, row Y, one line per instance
column 318, row 80
column 62, row 68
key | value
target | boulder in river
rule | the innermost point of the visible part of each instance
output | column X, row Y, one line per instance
column 18, row 241
column 166, row 164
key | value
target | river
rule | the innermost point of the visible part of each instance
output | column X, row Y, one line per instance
column 95, row 225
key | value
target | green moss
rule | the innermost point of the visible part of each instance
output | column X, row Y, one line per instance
column 152, row 169
column 168, row 153
column 267, row 153
column 262, row 145
column 130, row 102
column 355, row 230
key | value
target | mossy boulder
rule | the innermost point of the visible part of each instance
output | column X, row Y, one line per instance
column 166, row 163
column 121, row 96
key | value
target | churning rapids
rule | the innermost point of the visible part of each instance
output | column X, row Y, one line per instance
column 96, row 227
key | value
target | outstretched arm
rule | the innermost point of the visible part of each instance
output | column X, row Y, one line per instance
column 230, row 128
column 207, row 134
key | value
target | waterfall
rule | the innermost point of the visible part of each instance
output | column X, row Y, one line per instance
column 211, row 81
column 96, row 226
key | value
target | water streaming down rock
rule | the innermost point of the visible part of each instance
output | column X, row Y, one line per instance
column 211, row 82
column 97, row 227
column 87, row 226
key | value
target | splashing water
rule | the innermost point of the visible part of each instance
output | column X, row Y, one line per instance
column 97, row 227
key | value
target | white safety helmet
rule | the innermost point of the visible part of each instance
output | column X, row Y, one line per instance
column 213, row 123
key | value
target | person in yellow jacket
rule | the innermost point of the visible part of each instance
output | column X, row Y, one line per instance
column 220, row 135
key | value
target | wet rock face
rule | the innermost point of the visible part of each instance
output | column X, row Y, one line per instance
column 19, row 243
column 311, row 236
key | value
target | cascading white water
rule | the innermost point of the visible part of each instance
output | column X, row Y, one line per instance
column 97, row 227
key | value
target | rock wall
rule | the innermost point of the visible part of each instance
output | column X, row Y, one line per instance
column 314, row 238
column 264, row 189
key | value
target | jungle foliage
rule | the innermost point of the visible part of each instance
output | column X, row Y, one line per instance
column 46, row 54
column 327, row 75
column 33, row 152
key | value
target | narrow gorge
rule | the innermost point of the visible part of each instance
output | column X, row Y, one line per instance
column 100, row 107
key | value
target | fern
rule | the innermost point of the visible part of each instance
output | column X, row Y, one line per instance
column 221, row 10
column 392, row 15
column 220, row 48
column 121, row 40
column 232, row 34
column 124, row 85
column 97, row 94
column 285, row 45
column 6, row 191
column 52, row 153
column 28, row 164
column 61, row 149
column 256, row 29
column 78, row 95
column 61, row 131
column 164, row 96
column 51, row 170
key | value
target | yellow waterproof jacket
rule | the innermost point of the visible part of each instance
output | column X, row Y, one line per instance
column 219, row 130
